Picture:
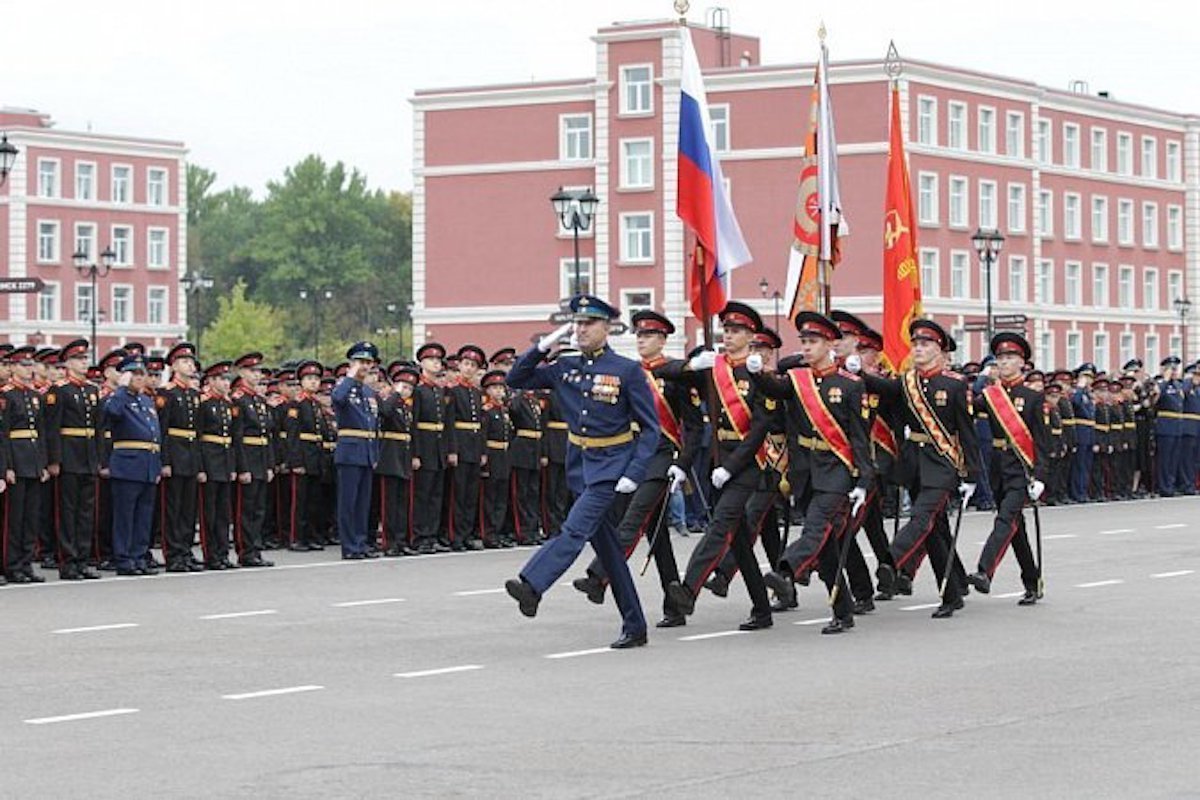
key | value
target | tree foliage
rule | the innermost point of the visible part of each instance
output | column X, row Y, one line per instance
column 243, row 326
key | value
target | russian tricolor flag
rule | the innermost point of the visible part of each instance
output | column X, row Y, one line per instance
column 702, row 203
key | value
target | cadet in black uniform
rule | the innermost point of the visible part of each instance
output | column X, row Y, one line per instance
column 253, row 447
column 178, row 409
column 498, row 434
column 305, row 450
column 527, row 456
column 467, row 400
column 394, row 469
column 433, row 449
column 220, row 466
column 24, row 466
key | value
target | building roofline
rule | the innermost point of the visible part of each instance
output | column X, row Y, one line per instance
column 99, row 138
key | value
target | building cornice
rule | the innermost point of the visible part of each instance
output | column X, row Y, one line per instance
column 95, row 143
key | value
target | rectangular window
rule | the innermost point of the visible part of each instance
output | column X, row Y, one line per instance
column 83, row 302
column 637, row 89
column 1151, row 349
column 1014, row 134
column 637, row 163
column 931, row 269
column 575, row 137
column 1045, row 281
column 1073, row 344
column 85, row 241
column 122, row 245
column 47, row 242
column 1045, row 351
column 1070, row 144
column 1099, row 218
column 1125, row 287
column 48, row 303
column 566, row 277
column 1099, row 161
column 1174, row 162
column 1174, row 286
column 1124, row 153
column 958, row 202
column 156, row 187
column 1100, row 350
column 156, row 247
column 960, row 274
column 1072, row 216
column 635, row 300
column 85, row 180
column 927, row 132
column 1175, row 227
column 1072, row 283
column 987, row 129
column 927, row 198
column 957, row 126
column 122, row 304
column 47, row 177
column 987, row 204
column 719, row 115
column 1149, row 224
column 1045, row 141
column 637, row 238
column 156, row 305
column 1017, row 278
column 1150, row 290
column 1175, row 343
column 121, row 181
column 1045, row 218
column 1124, row 222
column 1100, row 285
column 1149, row 157
column 1016, row 208
column 1126, row 345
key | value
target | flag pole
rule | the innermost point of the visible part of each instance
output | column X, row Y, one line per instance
column 710, row 389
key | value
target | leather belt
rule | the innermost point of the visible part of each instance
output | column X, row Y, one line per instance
column 356, row 433
column 397, row 436
column 329, row 445
column 467, row 426
column 83, row 433
column 557, row 425
column 589, row 442
column 212, row 438
column 492, row 445
column 728, row 435
column 182, row 433
column 310, row 437
column 23, row 434
column 1091, row 423
column 999, row 444
column 255, row 441
column 1171, row 414
column 1056, row 431
column 136, row 445
column 430, row 426
column 812, row 442
column 526, row 433
column 919, row 438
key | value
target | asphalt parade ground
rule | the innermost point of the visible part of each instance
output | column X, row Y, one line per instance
column 418, row 677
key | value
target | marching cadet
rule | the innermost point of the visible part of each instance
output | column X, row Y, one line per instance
column 215, row 426
column 830, row 409
column 1018, row 469
column 498, row 434
column 467, row 399
column 396, row 460
column 72, row 426
column 178, row 409
column 433, row 449
column 602, row 395
column 135, row 466
column 356, row 404
column 1083, row 408
column 1168, row 427
column 527, row 456
column 1189, row 452
column 253, row 435
column 23, row 424
column 304, row 447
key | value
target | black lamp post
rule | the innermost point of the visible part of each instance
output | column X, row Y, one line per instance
column 988, row 243
column 317, row 296
column 1182, row 307
column 764, row 286
column 88, row 269
column 8, row 155
column 575, row 210
column 195, row 283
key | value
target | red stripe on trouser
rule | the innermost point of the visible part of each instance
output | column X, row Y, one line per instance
column 641, row 531
column 7, row 511
column 933, row 516
column 809, row 563
column 480, row 512
column 383, row 524
column 450, row 507
column 292, row 527
column 96, row 522
column 411, row 484
column 754, row 535
column 58, row 520
column 203, row 528
column 237, row 520
column 1012, row 531
column 514, row 507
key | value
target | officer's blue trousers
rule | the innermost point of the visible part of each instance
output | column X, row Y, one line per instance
column 353, row 507
column 1185, row 480
column 1168, row 464
column 132, row 511
column 1081, row 472
column 593, row 518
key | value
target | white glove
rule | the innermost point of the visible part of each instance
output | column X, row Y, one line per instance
column 966, row 491
column 754, row 363
column 720, row 476
column 676, row 476
column 550, row 339
column 702, row 360
column 626, row 486
column 858, row 496
column 166, row 376
column 1036, row 488
column 853, row 363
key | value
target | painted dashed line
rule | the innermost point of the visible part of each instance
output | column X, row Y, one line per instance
column 477, row 592
column 576, row 653
column 1170, row 526
column 116, row 626
column 1060, row 536
column 110, row 712
column 379, row 602
column 699, row 637
column 816, row 621
column 272, row 692
column 1116, row 531
column 920, row 607
column 1094, row 584
column 426, row 673
column 239, row 614
column 1176, row 574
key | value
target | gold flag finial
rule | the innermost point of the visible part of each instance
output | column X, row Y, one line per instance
column 892, row 65
column 821, row 32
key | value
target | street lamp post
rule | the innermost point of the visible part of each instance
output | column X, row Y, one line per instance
column 317, row 296
column 8, row 155
column 764, row 286
column 91, row 270
column 1182, row 307
column 988, row 243
column 575, row 210
column 195, row 283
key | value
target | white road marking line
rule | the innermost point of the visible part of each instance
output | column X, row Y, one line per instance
column 816, row 621
column 238, row 614
column 702, row 636
column 356, row 603
column 1093, row 584
column 574, row 653
column 425, row 673
column 111, row 712
column 1170, row 526
column 1115, row 531
column 1008, row 595
column 476, row 592
column 1060, row 536
column 272, row 692
column 920, row 607
column 116, row 626
column 1175, row 574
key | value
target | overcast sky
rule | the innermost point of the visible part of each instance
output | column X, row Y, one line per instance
column 253, row 86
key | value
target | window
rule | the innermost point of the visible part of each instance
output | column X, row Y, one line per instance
column 156, row 187
column 1150, row 290
column 156, row 305
column 1149, row 224
column 1072, row 222
column 1125, row 287
column 1175, row 227
column 719, row 115
column 1126, row 348
column 927, row 120
column 957, row 126
column 1045, row 281
column 1099, row 218
column 122, row 304
column 1071, row 283
column 637, row 163
column 1100, row 350
column 1045, row 348
column 1151, row 349
column 1174, row 162
column 959, row 335
column 47, row 242
column 960, row 274
column 987, row 129
column 83, row 302
column 121, row 176
column 930, row 272
column 1073, row 345
column 156, row 247
column 1016, row 278
column 958, row 202
column 85, row 240
column 1045, row 210
column 1045, row 141
column 927, row 198
column 987, row 204
column 1174, row 286
column 1124, row 153
column 48, row 184
column 1016, row 208
column 637, row 238
column 1099, row 161
column 1100, row 285
column 1124, row 222
column 635, row 300
column 575, row 137
column 1175, row 343
column 637, row 91
column 1070, row 144
column 1014, row 134
column 122, row 245
column 566, row 277
column 85, row 180
column 48, row 303
column 1149, row 157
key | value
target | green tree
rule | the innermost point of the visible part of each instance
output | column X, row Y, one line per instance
column 242, row 326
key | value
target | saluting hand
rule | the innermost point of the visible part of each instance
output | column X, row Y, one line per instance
column 124, row 379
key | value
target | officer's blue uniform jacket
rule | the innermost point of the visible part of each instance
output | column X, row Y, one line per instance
column 1085, row 409
column 1169, row 421
column 356, row 409
column 132, row 417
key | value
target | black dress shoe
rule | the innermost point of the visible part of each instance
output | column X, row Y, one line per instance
column 756, row 622
column 149, row 568
column 838, row 625
column 216, row 566
column 425, row 549
column 474, row 544
column 298, row 548
column 372, row 554
column 3, row 580
column 981, row 582
column 508, row 543
column 34, row 578
column 491, row 544
column 864, row 606
column 438, row 547
column 804, row 577
column 780, row 606
column 315, row 546
column 782, row 586
column 527, row 599
column 1030, row 598
column 885, row 577
column 70, row 575
column 903, row 584
column 128, row 571
column 592, row 586
column 458, row 547
column 671, row 621
column 49, row 562
column 629, row 640
column 176, row 566
column 106, row 566
column 195, row 566
column 393, row 552
column 946, row 610
column 89, row 574
column 680, row 599
column 18, row 577
column 718, row 584
column 354, row 556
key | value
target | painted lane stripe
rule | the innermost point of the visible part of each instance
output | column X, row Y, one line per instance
column 575, row 653
column 116, row 626
column 1175, row 574
column 477, row 592
column 272, row 692
column 816, row 621
column 1171, row 526
column 920, row 607
column 1094, row 584
column 1115, row 531
column 111, row 712
column 357, row 603
column 1060, row 536
column 425, row 673
column 699, row 637
column 239, row 614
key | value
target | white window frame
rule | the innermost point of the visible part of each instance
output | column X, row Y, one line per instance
column 1174, row 343
column 1070, row 153
column 1126, row 226
column 1100, row 214
column 1150, row 351
column 166, row 186
column 566, row 275
column 626, row 109
column 1099, row 147
column 719, row 115
column 1174, row 227
column 1045, row 217
column 563, row 232
column 91, row 248
column 124, row 255
column 52, row 292
column 985, row 136
column 1149, row 225
column 1072, row 232
column 566, row 136
column 164, row 304
column 927, row 123
column 956, row 106
column 93, row 184
column 54, row 191
column 1100, row 350
column 54, row 254
column 112, row 188
column 963, row 257
column 1100, row 284
column 1014, row 123
column 1045, row 348
column 165, row 261
column 1150, row 289
column 629, row 308
column 1174, row 151
column 626, row 183
column 1126, row 288
column 1124, row 153
column 991, row 220
column 1045, row 141
column 81, row 290
column 1148, row 158
column 1174, row 287
column 1016, row 222
column 624, row 232
column 958, row 212
column 1044, row 281
column 1126, row 347
column 1074, row 347
column 1018, row 267
column 113, row 317
column 930, row 288
column 1073, row 298
column 928, row 216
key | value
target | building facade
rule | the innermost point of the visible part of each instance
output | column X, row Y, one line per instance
column 1098, row 199
column 72, row 192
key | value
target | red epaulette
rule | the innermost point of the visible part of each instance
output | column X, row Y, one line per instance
column 845, row 373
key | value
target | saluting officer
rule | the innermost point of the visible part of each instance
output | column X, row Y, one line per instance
column 24, row 466
column 1189, row 447
column 467, row 399
column 1168, row 427
column 357, row 408
column 253, row 447
column 1083, row 408
column 395, row 461
column 135, row 467
column 433, row 448
column 178, row 410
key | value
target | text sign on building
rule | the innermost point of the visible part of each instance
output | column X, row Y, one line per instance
column 21, row 285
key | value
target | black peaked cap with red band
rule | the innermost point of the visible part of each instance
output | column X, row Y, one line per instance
column 647, row 321
column 810, row 323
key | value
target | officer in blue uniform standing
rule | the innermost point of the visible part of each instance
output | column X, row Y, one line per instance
column 1189, row 458
column 1168, row 428
column 601, row 394
column 135, row 467
column 357, row 409
column 1085, row 433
